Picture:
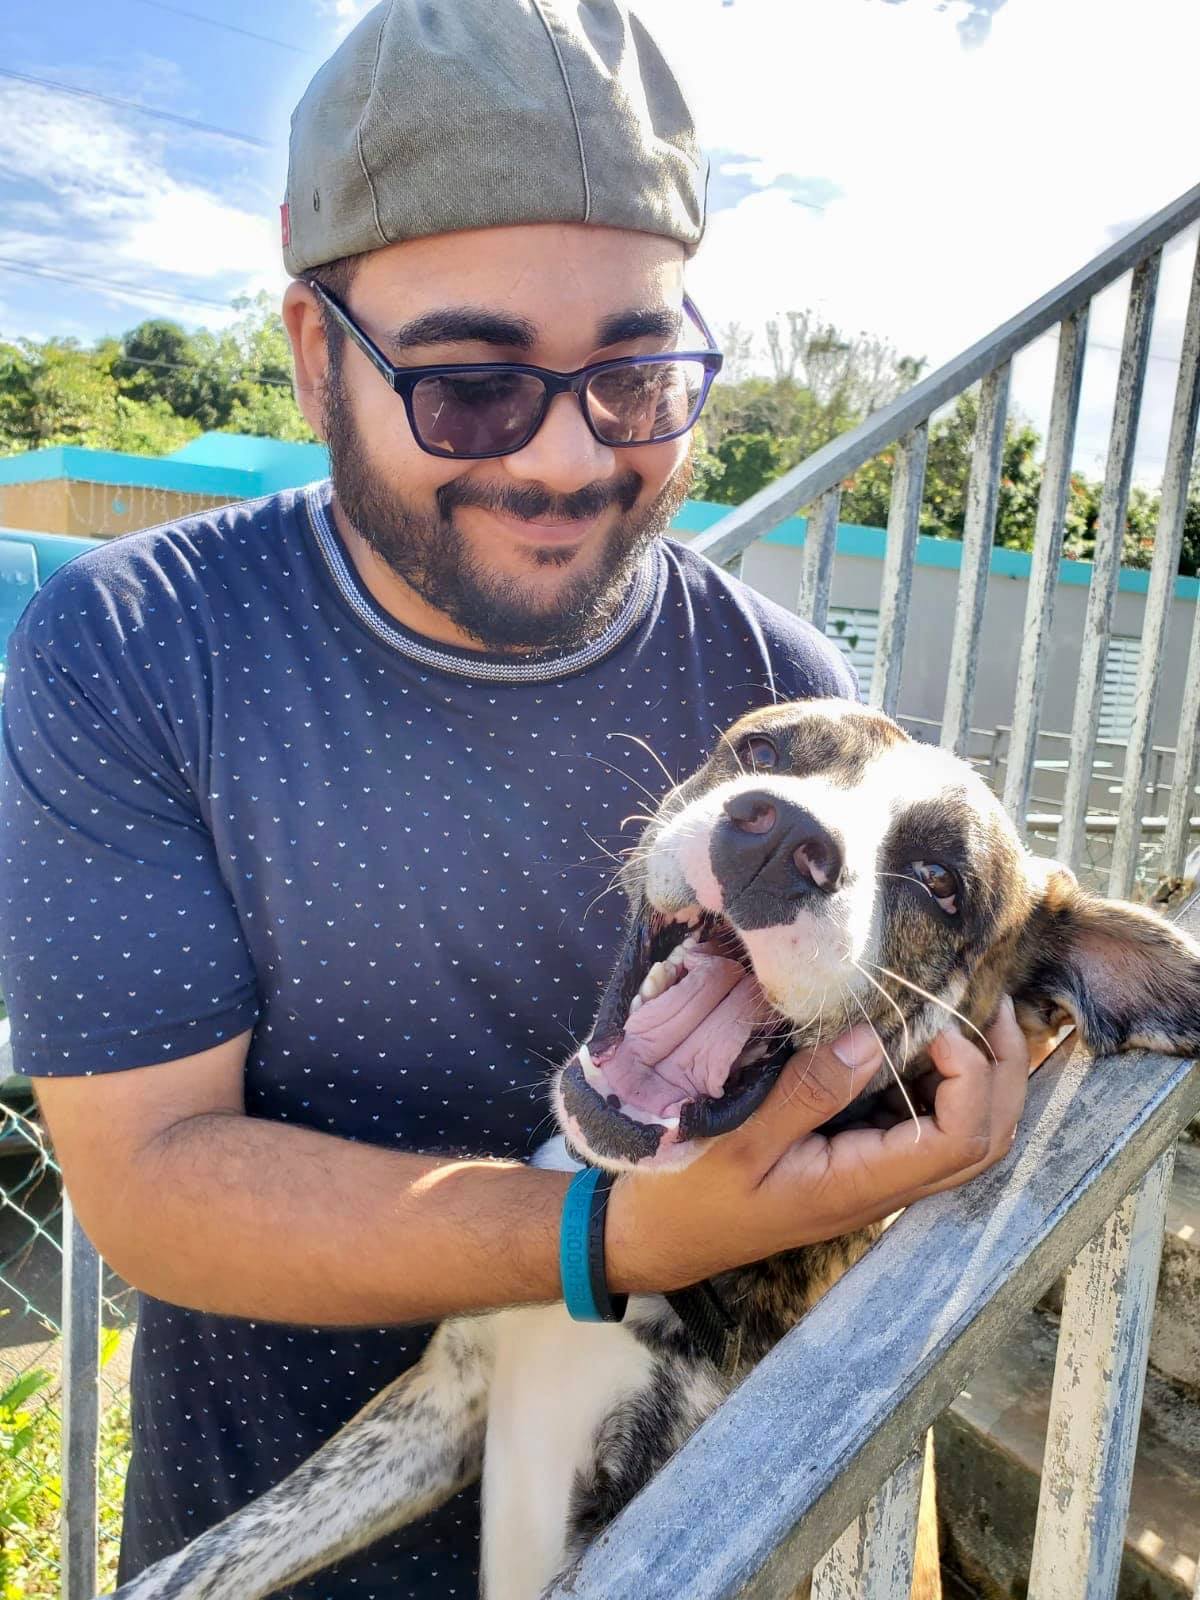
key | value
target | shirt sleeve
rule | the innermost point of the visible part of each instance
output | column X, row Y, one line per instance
column 120, row 943
column 805, row 663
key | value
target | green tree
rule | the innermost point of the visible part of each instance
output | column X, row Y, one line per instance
column 271, row 413
column 154, row 389
column 58, row 393
column 748, row 462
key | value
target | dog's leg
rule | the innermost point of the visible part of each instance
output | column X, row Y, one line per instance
column 927, row 1570
column 927, row 1565
column 416, row 1443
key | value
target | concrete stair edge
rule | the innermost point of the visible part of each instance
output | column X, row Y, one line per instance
column 989, row 1451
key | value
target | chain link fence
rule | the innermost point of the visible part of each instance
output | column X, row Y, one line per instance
column 31, row 1219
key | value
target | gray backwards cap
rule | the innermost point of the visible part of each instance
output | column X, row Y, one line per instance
column 438, row 115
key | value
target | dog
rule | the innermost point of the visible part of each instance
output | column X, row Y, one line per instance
column 820, row 868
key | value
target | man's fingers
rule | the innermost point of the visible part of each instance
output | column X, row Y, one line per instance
column 977, row 1106
column 968, row 1105
column 813, row 1086
column 1013, row 1066
column 870, row 1172
column 982, row 1095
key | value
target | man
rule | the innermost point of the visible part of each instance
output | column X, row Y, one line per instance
column 310, row 803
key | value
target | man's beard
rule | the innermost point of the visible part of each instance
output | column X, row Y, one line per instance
column 429, row 552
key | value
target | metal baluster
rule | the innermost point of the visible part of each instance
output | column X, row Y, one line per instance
column 1043, row 575
column 904, row 520
column 1183, row 775
column 820, row 547
column 80, row 1407
column 1168, row 538
column 1156, row 782
column 983, row 494
column 1099, row 1378
column 873, row 1560
column 1106, row 567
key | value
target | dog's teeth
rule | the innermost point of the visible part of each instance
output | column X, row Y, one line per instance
column 591, row 1071
column 654, row 982
column 675, row 959
column 634, row 1003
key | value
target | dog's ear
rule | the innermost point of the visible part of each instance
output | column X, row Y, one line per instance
column 1124, row 976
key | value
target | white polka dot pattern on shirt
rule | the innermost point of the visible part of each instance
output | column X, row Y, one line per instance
column 239, row 794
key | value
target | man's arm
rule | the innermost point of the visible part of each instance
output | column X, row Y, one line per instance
column 199, row 1204
column 196, row 1203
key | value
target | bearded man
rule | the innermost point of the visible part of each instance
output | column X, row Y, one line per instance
column 309, row 803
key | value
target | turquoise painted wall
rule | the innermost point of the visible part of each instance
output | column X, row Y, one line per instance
column 697, row 516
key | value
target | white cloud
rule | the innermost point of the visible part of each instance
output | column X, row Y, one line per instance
column 106, row 204
column 345, row 13
column 971, row 180
column 956, row 185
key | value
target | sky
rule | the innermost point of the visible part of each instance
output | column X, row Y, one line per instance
column 918, row 169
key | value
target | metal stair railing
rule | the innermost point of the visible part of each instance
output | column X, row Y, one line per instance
column 813, row 1464
column 884, row 1354
column 903, row 426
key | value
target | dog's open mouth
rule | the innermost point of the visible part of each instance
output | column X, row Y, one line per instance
column 685, row 1045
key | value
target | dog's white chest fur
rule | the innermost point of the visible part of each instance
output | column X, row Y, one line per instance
column 554, row 1382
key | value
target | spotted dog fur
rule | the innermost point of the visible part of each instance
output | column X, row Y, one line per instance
column 855, row 874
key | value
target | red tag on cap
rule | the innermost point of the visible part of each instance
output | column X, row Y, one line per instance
column 285, row 225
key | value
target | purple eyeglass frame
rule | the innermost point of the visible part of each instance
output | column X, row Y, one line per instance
column 403, row 381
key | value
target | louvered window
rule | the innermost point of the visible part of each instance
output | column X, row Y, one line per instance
column 855, row 631
column 1120, row 681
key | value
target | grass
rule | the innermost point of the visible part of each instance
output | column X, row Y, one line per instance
column 31, row 1486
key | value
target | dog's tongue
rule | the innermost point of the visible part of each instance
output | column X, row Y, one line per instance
column 681, row 1045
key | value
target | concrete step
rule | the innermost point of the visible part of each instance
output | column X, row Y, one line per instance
column 1175, row 1336
column 989, row 1454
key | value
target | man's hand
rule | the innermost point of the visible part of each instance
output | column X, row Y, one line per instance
column 776, row 1183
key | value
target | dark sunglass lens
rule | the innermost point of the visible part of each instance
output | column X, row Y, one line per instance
column 476, row 413
column 635, row 404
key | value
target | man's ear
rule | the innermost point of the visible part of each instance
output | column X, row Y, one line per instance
column 1123, row 975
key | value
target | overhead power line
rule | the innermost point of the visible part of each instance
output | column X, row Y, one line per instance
column 183, row 366
column 90, row 282
column 133, row 105
column 226, row 27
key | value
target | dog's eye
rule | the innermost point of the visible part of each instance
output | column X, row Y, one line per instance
column 758, row 753
column 940, row 882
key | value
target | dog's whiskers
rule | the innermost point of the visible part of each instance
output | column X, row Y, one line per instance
column 906, row 877
column 609, row 888
column 912, row 1110
column 656, row 799
column 633, row 739
column 725, row 740
column 636, row 816
column 906, row 1037
column 935, row 1000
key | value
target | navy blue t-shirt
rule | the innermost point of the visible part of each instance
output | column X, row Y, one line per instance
column 236, row 793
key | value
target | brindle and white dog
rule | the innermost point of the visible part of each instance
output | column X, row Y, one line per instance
column 820, row 867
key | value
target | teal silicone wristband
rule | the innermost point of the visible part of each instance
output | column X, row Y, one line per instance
column 573, row 1247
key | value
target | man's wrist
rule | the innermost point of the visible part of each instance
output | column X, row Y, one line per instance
column 629, row 1264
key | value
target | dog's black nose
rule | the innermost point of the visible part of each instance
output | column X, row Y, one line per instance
column 751, row 813
column 779, row 845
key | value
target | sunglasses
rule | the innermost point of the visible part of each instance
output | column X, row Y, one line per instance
column 493, row 408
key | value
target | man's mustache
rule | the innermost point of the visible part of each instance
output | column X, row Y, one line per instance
column 533, row 504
